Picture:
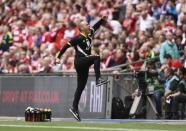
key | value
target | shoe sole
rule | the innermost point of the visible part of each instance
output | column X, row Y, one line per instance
column 74, row 115
column 105, row 82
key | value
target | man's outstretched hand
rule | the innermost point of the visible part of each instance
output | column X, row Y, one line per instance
column 104, row 18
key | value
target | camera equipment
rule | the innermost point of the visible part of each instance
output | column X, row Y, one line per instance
column 144, row 78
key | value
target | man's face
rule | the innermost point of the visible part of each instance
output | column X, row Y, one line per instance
column 84, row 26
column 166, row 61
column 169, row 36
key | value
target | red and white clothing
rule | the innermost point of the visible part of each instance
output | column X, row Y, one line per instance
column 19, row 35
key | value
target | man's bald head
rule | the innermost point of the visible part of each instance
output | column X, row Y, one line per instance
column 84, row 26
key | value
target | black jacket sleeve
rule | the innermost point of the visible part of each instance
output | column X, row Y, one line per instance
column 62, row 51
column 72, row 42
column 98, row 24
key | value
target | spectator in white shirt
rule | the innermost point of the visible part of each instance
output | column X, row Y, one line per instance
column 145, row 21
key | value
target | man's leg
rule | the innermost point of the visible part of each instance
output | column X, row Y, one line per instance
column 96, row 61
column 82, row 76
column 81, row 82
column 88, row 61
column 158, row 95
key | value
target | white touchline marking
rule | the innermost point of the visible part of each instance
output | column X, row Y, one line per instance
column 77, row 127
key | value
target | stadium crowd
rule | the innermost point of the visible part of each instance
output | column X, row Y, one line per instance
column 33, row 31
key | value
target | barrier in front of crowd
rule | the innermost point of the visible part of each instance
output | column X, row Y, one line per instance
column 56, row 91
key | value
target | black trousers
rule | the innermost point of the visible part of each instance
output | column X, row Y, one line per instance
column 82, row 65
column 176, row 100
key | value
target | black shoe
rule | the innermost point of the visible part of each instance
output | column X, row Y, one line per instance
column 101, row 81
column 75, row 113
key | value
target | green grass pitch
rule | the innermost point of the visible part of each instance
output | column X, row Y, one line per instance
column 92, row 126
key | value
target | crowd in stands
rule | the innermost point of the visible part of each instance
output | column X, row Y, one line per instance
column 33, row 31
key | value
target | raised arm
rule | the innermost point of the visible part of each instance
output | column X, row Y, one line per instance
column 62, row 51
column 72, row 42
column 102, row 21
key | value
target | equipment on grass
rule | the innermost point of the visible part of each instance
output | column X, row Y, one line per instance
column 38, row 114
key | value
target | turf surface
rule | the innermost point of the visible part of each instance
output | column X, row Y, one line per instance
column 92, row 126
